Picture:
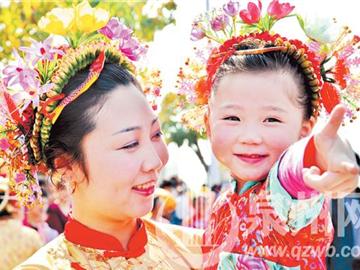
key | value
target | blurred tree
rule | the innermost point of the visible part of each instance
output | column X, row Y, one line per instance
column 171, row 108
column 18, row 19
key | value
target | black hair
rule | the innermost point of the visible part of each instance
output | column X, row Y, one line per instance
column 269, row 61
column 167, row 184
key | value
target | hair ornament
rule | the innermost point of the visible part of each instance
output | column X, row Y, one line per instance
column 31, row 98
column 330, row 65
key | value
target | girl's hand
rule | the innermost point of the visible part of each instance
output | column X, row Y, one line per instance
column 335, row 157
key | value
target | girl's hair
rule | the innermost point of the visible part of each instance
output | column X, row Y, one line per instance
column 270, row 61
column 78, row 118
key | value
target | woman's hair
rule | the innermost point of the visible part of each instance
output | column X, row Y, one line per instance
column 269, row 61
column 78, row 118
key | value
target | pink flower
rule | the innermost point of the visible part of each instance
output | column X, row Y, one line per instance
column 132, row 49
column 3, row 115
column 231, row 8
column 114, row 29
column 4, row 144
column 20, row 177
column 42, row 50
column 128, row 45
column 19, row 73
column 219, row 22
column 252, row 14
column 278, row 11
column 197, row 32
column 34, row 92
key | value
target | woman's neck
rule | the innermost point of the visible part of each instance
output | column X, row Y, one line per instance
column 122, row 230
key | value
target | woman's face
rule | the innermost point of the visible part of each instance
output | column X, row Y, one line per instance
column 123, row 156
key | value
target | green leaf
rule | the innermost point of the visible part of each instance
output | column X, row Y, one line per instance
column 94, row 3
column 301, row 21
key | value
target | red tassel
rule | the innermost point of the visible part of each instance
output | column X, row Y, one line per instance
column 329, row 96
column 98, row 64
column 13, row 110
column 28, row 115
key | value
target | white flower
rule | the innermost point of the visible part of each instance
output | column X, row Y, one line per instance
column 323, row 30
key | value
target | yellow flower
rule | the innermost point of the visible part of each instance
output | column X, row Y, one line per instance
column 57, row 21
column 90, row 19
column 83, row 18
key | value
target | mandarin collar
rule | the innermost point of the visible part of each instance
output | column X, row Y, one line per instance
column 82, row 235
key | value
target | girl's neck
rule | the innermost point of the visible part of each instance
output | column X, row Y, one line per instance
column 122, row 230
column 242, row 185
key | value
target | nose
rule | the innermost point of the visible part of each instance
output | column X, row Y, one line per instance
column 152, row 160
column 250, row 134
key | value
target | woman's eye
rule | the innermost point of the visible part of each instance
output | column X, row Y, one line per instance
column 232, row 118
column 272, row 120
column 130, row 146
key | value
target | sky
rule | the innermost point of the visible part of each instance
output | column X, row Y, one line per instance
column 172, row 45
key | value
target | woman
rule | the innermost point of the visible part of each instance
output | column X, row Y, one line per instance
column 97, row 135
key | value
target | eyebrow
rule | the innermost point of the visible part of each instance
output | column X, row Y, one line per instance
column 232, row 106
column 274, row 108
column 268, row 107
column 128, row 129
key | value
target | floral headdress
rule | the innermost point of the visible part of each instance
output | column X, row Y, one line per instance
column 330, row 66
column 31, row 97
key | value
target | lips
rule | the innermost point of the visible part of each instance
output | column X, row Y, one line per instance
column 145, row 189
column 251, row 158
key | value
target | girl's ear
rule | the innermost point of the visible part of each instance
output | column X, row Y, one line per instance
column 307, row 127
column 207, row 125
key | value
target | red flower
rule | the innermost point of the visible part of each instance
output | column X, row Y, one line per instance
column 341, row 71
column 329, row 96
column 252, row 14
column 356, row 39
column 202, row 89
column 278, row 11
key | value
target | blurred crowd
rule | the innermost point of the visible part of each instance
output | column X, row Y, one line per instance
column 175, row 203
column 23, row 231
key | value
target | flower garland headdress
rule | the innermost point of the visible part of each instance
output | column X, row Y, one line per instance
column 31, row 88
column 330, row 67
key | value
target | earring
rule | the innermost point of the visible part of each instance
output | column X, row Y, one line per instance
column 56, row 179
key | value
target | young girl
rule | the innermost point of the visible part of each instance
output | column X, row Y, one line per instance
column 94, row 130
column 262, row 93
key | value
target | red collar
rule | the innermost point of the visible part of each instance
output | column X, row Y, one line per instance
column 80, row 234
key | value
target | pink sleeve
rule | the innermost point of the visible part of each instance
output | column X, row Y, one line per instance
column 300, row 155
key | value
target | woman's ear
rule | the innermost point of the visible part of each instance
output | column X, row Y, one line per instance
column 307, row 126
column 61, row 175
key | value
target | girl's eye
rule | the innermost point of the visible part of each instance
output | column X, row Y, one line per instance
column 272, row 120
column 232, row 118
column 130, row 146
column 158, row 134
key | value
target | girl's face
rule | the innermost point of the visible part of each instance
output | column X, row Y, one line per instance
column 123, row 157
column 252, row 119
